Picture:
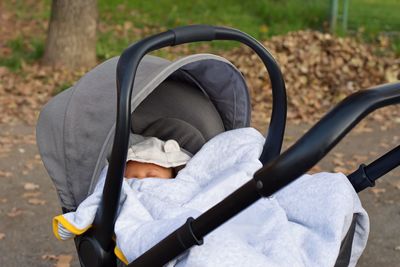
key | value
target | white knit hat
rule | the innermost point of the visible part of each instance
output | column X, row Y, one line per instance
column 153, row 150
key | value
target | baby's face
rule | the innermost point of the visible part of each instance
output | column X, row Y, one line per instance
column 140, row 170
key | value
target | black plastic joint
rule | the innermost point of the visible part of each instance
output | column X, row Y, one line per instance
column 91, row 254
column 360, row 179
column 193, row 33
column 259, row 185
column 186, row 236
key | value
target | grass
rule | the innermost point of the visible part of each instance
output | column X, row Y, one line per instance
column 259, row 18
column 374, row 18
column 22, row 52
column 125, row 21
column 63, row 86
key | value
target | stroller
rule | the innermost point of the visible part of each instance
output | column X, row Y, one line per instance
column 190, row 100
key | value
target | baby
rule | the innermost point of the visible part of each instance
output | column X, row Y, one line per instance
column 155, row 158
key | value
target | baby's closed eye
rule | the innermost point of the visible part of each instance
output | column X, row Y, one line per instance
column 152, row 173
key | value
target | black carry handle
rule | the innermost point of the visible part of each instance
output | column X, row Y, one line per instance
column 290, row 165
column 126, row 70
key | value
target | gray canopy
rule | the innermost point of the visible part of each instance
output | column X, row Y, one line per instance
column 76, row 128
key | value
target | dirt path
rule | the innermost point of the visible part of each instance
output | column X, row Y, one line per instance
column 28, row 199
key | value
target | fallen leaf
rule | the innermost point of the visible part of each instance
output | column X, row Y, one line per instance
column 31, row 186
column 2, row 235
column 338, row 162
column 36, row 201
column 391, row 76
column 5, row 174
column 377, row 191
column 338, row 155
column 49, row 257
column 340, row 169
column 373, row 153
column 384, row 127
column 3, row 200
column 384, row 145
column 31, row 194
column 64, row 260
column 360, row 158
column 29, row 166
column 389, row 202
column 14, row 212
column 397, row 184
column 315, row 169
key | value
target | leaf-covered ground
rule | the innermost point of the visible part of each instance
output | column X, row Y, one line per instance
column 319, row 70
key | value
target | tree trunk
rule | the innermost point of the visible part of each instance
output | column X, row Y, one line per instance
column 71, row 39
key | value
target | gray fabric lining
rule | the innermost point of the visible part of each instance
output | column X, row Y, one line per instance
column 174, row 99
column 75, row 136
column 188, row 137
column 228, row 101
column 184, row 76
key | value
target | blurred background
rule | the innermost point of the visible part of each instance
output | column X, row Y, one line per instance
column 327, row 49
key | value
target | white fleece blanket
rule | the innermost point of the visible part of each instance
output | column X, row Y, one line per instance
column 301, row 225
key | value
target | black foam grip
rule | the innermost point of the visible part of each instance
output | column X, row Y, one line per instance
column 193, row 33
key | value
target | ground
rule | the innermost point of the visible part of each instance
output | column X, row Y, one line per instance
column 28, row 198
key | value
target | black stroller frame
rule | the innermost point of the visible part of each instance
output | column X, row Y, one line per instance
column 95, row 248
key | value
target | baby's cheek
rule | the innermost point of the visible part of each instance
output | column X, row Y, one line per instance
column 166, row 173
column 129, row 171
column 170, row 173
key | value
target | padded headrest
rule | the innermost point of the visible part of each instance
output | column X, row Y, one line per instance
column 178, row 110
column 184, row 133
